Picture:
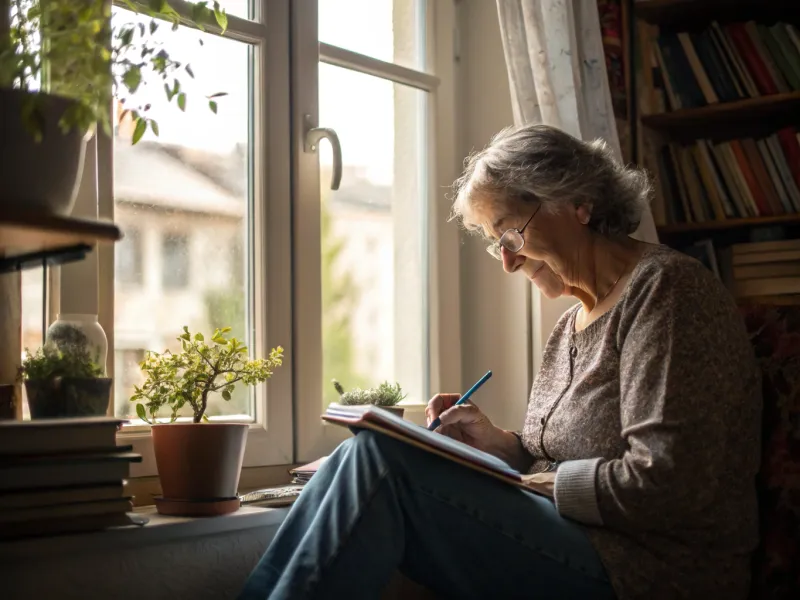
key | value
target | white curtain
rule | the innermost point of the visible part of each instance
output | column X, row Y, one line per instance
column 557, row 72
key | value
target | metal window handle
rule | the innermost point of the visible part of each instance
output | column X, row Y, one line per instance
column 311, row 142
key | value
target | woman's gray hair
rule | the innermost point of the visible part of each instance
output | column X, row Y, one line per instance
column 542, row 163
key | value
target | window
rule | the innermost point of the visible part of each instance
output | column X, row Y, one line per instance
column 129, row 258
column 229, row 221
column 175, row 261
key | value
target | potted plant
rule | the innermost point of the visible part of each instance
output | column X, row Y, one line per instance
column 199, row 462
column 60, row 67
column 64, row 381
column 386, row 396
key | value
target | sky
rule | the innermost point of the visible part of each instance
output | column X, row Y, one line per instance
column 359, row 107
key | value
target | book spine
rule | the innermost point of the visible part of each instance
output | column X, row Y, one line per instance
column 715, row 67
column 721, row 52
column 788, row 50
column 772, row 171
column 680, row 178
column 780, row 82
column 697, row 68
column 791, row 150
column 731, row 183
column 752, row 59
column 761, row 175
column 717, row 181
column 709, row 186
column 683, row 79
column 779, row 57
column 736, row 61
column 785, row 173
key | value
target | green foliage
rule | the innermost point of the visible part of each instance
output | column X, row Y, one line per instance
column 200, row 369
column 227, row 305
column 51, row 361
column 385, row 394
column 67, row 48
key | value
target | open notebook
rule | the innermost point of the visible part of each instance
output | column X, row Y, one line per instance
column 382, row 421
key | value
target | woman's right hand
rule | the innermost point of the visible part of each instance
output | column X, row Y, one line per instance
column 465, row 423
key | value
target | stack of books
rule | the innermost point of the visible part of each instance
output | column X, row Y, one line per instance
column 724, row 63
column 709, row 181
column 61, row 476
column 302, row 475
column 766, row 268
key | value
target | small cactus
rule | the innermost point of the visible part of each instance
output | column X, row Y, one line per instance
column 385, row 394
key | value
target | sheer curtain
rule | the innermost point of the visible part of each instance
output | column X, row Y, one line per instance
column 557, row 72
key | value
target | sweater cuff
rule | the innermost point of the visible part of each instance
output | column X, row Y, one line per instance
column 575, row 492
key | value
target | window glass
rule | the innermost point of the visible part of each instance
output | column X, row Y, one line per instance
column 182, row 200
column 373, row 252
column 390, row 30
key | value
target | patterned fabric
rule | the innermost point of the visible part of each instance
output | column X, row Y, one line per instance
column 775, row 333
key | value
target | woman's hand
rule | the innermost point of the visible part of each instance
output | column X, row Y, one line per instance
column 467, row 423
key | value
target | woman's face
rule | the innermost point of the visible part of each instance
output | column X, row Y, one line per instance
column 547, row 256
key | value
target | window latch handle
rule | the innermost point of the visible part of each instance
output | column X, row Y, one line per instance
column 311, row 142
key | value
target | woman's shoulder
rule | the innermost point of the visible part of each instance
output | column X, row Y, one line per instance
column 666, row 280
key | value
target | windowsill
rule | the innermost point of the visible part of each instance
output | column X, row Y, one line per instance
column 160, row 529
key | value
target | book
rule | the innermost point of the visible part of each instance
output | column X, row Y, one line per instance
column 750, row 89
column 18, row 473
column 71, row 525
column 53, row 436
column 773, row 246
column 302, row 474
column 64, row 495
column 767, row 270
column 766, row 257
column 771, row 286
column 75, row 509
column 383, row 422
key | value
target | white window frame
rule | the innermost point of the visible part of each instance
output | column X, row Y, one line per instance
column 312, row 437
column 289, row 430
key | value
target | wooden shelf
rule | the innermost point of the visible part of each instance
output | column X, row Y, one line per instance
column 708, row 226
column 26, row 238
column 787, row 300
column 697, row 13
column 728, row 119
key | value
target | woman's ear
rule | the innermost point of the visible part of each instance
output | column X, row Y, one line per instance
column 584, row 212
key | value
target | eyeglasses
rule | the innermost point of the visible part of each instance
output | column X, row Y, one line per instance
column 512, row 239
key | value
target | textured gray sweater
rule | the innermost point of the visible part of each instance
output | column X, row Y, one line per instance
column 653, row 414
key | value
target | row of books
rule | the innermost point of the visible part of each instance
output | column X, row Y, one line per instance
column 708, row 181
column 724, row 63
column 769, row 268
column 63, row 476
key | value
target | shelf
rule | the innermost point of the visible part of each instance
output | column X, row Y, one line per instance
column 709, row 226
column 697, row 13
column 728, row 119
column 787, row 300
column 28, row 240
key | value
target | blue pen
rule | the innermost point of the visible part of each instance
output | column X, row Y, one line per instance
column 436, row 422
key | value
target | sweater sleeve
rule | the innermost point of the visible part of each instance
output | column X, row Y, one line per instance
column 687, row 388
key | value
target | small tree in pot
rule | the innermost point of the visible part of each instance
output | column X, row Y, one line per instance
column 198, row 462
column 386, row 396
column 64, row 381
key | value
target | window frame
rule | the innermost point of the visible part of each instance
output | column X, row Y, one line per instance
column 285, row 45
column 312, row 437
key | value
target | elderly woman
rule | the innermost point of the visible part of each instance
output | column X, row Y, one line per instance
column 643, row 421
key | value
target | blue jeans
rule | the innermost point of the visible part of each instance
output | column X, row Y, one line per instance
column 377, row 505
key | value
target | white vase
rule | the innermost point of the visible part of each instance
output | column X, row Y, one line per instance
column 80, row 329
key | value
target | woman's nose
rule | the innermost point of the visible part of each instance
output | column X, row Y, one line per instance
column 511, row 260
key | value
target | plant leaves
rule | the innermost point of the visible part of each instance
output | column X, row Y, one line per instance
column 199, row 337
column 226, row 395
column 132, row 78
column 138, row 132
column 154, row 127
column 221, row 17
column 189, row 71
column 182, row 101
column 217, row 95
column 140, row 412
column 213, row 106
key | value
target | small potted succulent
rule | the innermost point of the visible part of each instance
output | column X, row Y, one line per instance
column 199, row 462
column 385, row 396
column 64, row 380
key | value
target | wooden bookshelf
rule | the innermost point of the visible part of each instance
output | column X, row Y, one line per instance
column 694, row 13
column 711, row 226
column 26, row 238
column 728, row 119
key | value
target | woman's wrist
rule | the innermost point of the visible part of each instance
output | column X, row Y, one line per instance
column 508, row 447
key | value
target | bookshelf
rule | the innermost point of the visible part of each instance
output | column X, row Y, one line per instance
column 718, row 86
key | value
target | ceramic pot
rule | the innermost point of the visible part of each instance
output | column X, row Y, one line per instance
column 40, row 177
column 395, row 410
column 199, row 461
column 68, row 397
column 81, row 330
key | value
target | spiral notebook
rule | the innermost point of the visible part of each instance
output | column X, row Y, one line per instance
column 384, row 422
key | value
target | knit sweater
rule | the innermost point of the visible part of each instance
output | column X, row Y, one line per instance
column 652, row 413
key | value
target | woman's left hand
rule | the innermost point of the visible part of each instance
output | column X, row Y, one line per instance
column 543, row 483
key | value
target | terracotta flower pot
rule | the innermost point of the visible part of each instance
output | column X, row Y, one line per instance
column 395, row 410
column 199, row 461
column 68, row 397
